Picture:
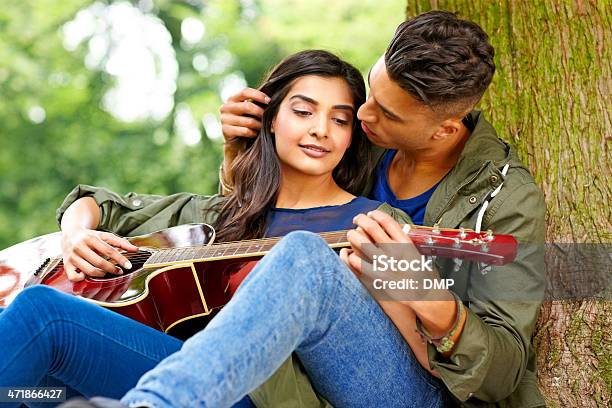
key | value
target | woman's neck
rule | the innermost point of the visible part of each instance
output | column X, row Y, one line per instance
column 298, row 190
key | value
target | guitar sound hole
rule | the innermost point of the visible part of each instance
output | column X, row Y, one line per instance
column 137, row 259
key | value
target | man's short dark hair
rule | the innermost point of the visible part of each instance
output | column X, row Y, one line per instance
column 441, row 60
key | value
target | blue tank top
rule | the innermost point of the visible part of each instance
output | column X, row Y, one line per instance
column 282, row 221
column 414, row 207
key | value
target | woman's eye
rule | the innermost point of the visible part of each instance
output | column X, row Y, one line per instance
column 301, row 112
column 342, row 122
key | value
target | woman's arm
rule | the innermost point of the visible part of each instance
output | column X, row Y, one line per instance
column 86, row 251
column 89, row 208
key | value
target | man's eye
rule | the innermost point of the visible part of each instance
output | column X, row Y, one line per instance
column 301, row 112
column 388, row 116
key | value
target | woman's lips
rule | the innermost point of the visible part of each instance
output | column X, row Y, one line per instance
column 367, row 130
column 314, row 151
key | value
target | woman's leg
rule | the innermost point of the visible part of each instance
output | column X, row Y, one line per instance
column 301, row 298
column 88, row 348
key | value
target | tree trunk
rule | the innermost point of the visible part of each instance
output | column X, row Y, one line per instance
column 550, row 98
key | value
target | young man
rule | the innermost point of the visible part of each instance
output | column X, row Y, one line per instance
column 445, row 165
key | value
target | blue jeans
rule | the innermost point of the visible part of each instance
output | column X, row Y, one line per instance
column 300, row 298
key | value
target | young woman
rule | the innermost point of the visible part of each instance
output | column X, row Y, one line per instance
column 301, row 173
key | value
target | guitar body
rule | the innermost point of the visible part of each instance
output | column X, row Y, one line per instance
column 147, row 295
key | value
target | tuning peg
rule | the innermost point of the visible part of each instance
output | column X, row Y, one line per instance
column 462, row 233
column 457, row 243
column 436, row 229
column 458, row 262
column 429, row 241
column 489, row 236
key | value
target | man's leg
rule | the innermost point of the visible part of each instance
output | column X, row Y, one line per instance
column 301, row 298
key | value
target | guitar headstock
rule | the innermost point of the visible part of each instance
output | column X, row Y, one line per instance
column 486, row 247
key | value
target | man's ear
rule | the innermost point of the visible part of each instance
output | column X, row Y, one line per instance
column 448, row 128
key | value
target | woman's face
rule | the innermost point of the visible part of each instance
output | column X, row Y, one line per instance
column 314, row 125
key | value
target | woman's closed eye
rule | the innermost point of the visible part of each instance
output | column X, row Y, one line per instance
column 300, row 112
column 342, row 121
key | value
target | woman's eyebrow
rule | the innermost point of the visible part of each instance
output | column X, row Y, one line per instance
column 313, row 102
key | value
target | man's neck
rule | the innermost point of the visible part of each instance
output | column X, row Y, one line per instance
column 305, row 191
column 412, row 172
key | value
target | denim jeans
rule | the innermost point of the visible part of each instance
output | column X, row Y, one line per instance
column 300, row 298
column 50, row 339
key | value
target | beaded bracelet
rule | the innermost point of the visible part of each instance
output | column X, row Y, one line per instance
column 445, row 342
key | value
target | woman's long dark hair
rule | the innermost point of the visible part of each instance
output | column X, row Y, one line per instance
column 256, row 172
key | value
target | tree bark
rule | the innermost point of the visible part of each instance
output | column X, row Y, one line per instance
column 551, row 99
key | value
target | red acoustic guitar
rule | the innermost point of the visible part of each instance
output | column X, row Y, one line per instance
column 180, row 279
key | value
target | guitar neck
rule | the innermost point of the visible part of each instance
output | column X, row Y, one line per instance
column 235, row 249
column 433, row 241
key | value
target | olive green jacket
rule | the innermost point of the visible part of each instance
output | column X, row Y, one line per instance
column 493, row 363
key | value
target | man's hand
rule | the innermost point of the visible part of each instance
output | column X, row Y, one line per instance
column 240, row 116
column 240, row 119
column 379, row 237
column 89, row 252
column 377, row 233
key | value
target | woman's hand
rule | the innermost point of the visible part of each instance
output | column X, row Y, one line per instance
column 92, row 253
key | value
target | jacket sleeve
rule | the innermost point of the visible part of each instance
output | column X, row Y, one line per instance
column 491, row 356
column 397, row 214
column 137, row 214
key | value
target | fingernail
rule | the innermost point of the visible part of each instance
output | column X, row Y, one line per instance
column 119, row 271
column 127, row 265
column 268, row 99
column 370, row 213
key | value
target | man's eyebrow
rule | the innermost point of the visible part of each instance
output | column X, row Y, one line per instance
column 313, row 102
column 387, row 111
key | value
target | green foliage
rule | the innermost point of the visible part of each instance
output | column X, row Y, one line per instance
column 76, row 140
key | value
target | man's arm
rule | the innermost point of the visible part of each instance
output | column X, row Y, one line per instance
column 492, row 347
column 240, row 119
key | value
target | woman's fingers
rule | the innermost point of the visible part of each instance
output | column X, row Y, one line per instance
column 86, row 268
column 94, row 253
column 118, row 242
column 72, row 273
column 94, row 258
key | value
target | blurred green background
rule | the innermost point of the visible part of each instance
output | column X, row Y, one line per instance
column 125, row 94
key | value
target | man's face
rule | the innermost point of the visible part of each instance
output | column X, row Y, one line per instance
column 392, row 118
